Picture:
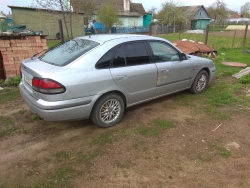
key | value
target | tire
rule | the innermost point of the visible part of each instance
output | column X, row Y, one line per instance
column 108, row 110
column 58, row 36
column 200, row 82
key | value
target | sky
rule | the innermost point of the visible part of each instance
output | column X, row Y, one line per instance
column 147, row 4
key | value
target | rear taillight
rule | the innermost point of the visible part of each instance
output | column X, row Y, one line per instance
column 47, row 86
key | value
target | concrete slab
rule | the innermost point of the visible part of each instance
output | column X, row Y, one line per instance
column 242, row 73
column 234, row 64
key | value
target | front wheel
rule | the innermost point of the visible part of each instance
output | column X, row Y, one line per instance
column 108, row 110
column 200, row 82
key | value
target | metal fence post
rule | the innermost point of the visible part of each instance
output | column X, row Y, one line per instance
column 61, row 30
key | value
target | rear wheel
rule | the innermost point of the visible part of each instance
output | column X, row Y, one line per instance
column 108, row 110
column 200, row 82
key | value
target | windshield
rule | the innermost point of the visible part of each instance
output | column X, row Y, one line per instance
column 67, row 52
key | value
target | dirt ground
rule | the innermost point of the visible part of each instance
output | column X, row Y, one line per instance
column 78, row 154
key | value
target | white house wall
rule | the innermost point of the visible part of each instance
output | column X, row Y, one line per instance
column 131, row 21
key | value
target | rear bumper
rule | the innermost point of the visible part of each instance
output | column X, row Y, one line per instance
column 59, row 110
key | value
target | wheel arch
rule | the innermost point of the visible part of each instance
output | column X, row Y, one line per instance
column 207, row 70
column 109, row 92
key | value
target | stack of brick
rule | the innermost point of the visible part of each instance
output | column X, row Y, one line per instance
column 13, row 51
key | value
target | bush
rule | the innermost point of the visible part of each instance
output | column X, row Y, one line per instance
column 14, row 81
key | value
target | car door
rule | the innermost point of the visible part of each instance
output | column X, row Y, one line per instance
column 133, row 71
column 174, row 72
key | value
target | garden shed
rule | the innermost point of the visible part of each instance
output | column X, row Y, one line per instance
column 198, row 17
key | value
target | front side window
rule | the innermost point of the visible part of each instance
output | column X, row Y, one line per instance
column 163, row 52
column 65, row 53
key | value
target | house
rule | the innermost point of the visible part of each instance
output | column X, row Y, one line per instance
column 198, row 17
column 131, row 14
column 46, row 20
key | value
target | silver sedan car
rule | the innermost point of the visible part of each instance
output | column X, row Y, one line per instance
column 98, row 76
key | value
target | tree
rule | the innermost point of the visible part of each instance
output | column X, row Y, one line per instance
column 218, row 10
column 88, row 7
column 58, row 5
column 245, row 9
column 108, row 16
column 171, row 14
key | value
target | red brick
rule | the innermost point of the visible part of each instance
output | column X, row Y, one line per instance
column 39, row 44
column 14, row 48
column 16, row 58
column 3, row 49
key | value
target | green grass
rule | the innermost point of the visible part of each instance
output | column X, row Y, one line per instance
column 5, row 130
column 156, row 127
column 245, row 79
column 102, row 139
column 216, row 42
column 52, row 43
column 8, row 95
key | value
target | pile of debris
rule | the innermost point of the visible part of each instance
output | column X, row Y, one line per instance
column 195, row 48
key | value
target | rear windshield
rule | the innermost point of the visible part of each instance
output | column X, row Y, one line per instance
column 67, row 52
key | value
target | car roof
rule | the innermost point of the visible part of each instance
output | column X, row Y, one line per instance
column 108, row 37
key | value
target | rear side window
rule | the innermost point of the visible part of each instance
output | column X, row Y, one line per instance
column 68, row 51
column 136, row 54
column 119, row 60
column 104, row 62
column 131, row 54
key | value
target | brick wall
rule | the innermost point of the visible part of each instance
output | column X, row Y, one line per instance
column 13, row 51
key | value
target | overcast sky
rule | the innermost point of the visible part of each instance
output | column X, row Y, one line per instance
column 231, row 4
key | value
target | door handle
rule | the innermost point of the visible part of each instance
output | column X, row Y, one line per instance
column 164, row 70
column 121, row 77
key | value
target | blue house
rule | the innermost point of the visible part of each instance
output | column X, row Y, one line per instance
column 198, row 17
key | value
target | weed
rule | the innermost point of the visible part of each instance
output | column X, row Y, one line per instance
column 143, row 130
column 245, row 79
column 127, row 164
column 224, row 152
column 90, row 156
column 36, row 117
column 140, row 146
column 63, row 155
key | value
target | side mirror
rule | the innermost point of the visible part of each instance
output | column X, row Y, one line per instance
column 183, row 56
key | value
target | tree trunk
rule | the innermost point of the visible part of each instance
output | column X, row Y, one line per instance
column 64, row 18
